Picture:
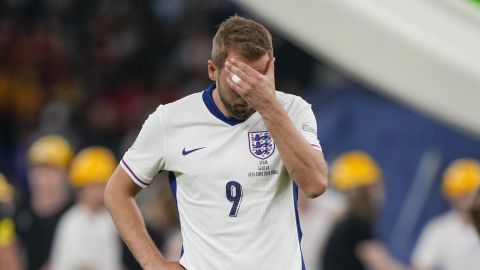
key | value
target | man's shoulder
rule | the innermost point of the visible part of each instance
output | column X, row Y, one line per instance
column 292, row 103
column 287, row 99
column 186, row 103
column 72, row 220
column 73, row 214
column 445, row 221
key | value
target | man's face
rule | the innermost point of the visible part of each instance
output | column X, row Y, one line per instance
column 463, row 203
column 92, row 196
column 235, row 105
column 47, row 179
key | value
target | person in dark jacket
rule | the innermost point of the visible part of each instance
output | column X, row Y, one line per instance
column 352, row 244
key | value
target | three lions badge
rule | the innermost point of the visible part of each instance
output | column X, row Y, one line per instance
column 261, row 144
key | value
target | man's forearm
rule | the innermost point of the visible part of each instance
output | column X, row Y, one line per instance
column 129, row 221
column 131, row 226
column 304, row 164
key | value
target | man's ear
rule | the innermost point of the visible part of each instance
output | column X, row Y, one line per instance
column 212, row 70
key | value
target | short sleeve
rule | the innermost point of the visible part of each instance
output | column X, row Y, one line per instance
column 306, row 124
column 425, row 253
column 146, row 157
column 361, row 231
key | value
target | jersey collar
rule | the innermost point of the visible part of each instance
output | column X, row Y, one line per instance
column 212, row 107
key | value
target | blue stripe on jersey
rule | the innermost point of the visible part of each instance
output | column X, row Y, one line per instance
column 212, row 107
column 173, row 188
column 297, row 219
column 173, row 185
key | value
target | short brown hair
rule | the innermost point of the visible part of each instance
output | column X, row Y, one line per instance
column 247, row 37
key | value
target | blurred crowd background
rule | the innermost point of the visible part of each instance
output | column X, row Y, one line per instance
column 91, row 71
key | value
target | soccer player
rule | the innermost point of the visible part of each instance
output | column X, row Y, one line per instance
column 232, row 152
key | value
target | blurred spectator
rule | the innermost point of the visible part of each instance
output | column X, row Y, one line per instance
column 318, row 217
column 86, row 236
column 352, row 244
column 37, row 216
column 449, row 242
column 9, row 253
column 475, row 212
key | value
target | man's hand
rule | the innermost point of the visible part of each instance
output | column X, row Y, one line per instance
column 304, row 164
column 257, row 89
column 120, row 201
column 374, row 255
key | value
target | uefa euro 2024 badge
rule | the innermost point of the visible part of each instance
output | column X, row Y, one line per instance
column 261, row 144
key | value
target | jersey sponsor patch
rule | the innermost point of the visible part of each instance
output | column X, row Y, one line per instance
column 261, row 144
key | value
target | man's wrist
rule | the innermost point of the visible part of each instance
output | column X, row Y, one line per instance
column 155, row 263
column 272, row 112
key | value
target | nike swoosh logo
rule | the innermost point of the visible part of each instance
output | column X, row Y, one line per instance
column 186, row 152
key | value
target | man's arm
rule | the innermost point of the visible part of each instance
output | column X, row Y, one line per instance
column 120, row 201
column 375, row 256
column 304, row 164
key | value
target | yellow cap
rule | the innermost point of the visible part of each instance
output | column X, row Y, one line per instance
column 7, row 232
column 6, row 190
column 462, row 177
column 51, row 150
column 353, row 170
column 92, row 165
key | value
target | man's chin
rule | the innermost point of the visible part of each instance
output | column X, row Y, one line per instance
column 243, row 115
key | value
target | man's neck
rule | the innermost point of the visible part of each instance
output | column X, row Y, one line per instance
column 219, row 103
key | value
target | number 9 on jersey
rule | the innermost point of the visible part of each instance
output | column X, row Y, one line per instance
column 234, row 195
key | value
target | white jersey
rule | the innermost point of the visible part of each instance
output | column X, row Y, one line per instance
column 86, row 240
column 236, row 201
column 448, row 243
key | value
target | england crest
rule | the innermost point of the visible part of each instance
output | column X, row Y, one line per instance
column 261, row 144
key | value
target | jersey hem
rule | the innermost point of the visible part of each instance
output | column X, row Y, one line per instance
column 133, row 176
column 317, row 147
